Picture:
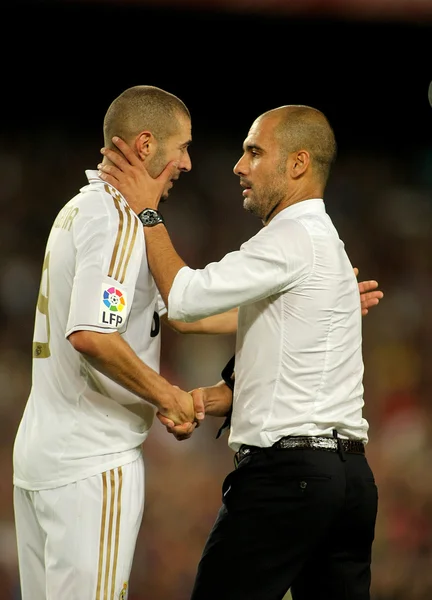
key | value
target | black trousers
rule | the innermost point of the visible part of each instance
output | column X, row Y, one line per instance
column 292, row 519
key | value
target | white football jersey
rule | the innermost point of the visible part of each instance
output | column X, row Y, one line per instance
column 95, row 276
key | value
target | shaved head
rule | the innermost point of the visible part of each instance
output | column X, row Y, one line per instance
column 140, row 108
column 299, row 127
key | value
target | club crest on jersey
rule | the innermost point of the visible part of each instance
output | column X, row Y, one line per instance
column 113, row 306
column 123, row 593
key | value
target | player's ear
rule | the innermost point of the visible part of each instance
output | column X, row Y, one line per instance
column 144, row 143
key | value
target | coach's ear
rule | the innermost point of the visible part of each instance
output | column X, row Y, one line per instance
column 298, row 162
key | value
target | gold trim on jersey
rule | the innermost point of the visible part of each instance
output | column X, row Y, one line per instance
column 108, row 548
column 118, row 238
column 124, row 245
column 124, row 242
column 129, row 254
column 42, row 349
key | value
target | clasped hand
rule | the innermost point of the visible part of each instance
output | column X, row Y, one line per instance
column 184, row 430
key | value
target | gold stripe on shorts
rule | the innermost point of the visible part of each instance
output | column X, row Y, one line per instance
column 110, row 528
column 102, row 536
column 117, row 532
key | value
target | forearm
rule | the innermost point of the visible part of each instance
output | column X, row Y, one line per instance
column 163, row 260
column 217, row 399
column 112, row 356
column 225, row 323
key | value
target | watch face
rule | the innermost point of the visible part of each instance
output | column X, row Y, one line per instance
column 150, row 217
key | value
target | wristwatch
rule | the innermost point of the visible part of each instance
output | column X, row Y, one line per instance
column 150, row 217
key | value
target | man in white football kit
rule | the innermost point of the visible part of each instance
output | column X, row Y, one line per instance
column 78, row 467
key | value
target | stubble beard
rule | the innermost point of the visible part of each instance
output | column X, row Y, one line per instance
column 155, row 167
column 253, row 205
column 250, row 205
column 261, row 208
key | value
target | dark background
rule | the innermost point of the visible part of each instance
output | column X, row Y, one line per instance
column 65, row 61
column 368, row 70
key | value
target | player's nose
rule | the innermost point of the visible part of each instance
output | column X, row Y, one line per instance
column 186, row 163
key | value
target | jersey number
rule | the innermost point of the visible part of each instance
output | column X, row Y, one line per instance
column 155, row 325
column 42, row 349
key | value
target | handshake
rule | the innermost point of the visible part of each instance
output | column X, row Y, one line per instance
column 188, row 409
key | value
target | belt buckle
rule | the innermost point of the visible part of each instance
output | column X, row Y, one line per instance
column 307, row 442
column 240, row 455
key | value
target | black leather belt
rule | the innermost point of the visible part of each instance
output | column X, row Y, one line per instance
column 334, row 444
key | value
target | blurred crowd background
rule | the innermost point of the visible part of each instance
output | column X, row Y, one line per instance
column 367, row 65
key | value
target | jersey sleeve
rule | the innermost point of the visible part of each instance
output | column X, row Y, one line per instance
column 108, row 259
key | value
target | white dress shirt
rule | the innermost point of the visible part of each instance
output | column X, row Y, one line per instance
column 298, row 363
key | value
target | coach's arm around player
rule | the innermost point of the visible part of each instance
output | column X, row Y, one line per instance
column 224, row 323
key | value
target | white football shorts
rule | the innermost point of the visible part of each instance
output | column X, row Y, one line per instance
column 77, row 541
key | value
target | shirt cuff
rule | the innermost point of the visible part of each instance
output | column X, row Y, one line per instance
column 175, row 297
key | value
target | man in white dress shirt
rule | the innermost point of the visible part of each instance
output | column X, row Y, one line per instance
column 299, row 510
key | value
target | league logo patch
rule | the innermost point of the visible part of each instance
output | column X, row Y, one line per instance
column 113, row 299
column 112, row 305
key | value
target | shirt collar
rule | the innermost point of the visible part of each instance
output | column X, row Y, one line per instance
column 93, row 176
column 313, row 205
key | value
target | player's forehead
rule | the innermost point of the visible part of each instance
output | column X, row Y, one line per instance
column 183, row 135
column 185, row 124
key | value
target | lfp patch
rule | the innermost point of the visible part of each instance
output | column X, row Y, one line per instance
column 113, row 306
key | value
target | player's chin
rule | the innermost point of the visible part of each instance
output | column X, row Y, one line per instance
column 165, row 193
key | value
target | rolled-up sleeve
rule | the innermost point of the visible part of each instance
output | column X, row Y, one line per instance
column 270, row 262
